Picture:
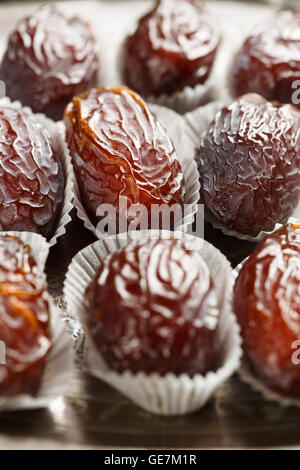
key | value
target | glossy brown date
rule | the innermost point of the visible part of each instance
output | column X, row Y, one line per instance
column 49, row 59
column 152, row 307
column 31, row 175
column 267, row 305
column 249, row 164
column 24, row 319
column 268, row 62
column 119, row 148
column 174, row 46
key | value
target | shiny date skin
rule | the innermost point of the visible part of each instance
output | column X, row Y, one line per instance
column 267, row 305
column 152, row 307
column 119, row 148
column 24, row 319
column 268, row 62
column 172, row 47
column 249, row 164
column 31, row 175
column 56, row 57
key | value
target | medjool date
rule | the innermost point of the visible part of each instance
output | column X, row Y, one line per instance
column 268, row 62
column 24, row 319
column 174, row 46
column 152, row 307
column 31, row 175
column 119, row 148
column 249, row 164
column 49, row 58
column 267, row 305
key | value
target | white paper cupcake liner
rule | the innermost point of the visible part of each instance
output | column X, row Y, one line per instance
column 198, row 121
column 58, row 371
column 56, row 133
column 176, row 129
column 246, row 374
column 168, row 395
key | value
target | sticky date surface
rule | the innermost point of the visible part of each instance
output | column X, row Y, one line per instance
column 24, row 319
column 49, row 58
column 249, row 164
column 119, row 148
column 31, row 175
column 152, row 308
column 173, row 46
column 269, row 61
column 267, row 304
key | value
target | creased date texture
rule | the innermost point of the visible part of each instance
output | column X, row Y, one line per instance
column 119, row 148
column 24, row 319
column 267, row 305
column 249, row 164
column 49, row 58
column 152, row 307
column 174, row 46
column 268, row 62
column 31, row 175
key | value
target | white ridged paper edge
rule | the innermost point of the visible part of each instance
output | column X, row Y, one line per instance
column 245, row 373
column 58, row 371
column 56, row 133
column 176, row 129
column 169, row 395
column 198, row 122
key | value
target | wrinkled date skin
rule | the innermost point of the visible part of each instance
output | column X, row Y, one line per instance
column 153, row 308
column 267, row 305
column 174, row 46
column 49, row 59
column 269, row 61
column 24, row 319
column 119, row 148
column 31, row 176
column 249, row 164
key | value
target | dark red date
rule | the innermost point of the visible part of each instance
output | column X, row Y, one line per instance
column 119, row 148
column 268, row 62
column 249, row 164
column 152, row 307
column 31, row 175
column 267, row 304
column 174, row 46
column 49, row 59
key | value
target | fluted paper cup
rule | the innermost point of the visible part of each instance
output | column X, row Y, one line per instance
column 168, row 395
